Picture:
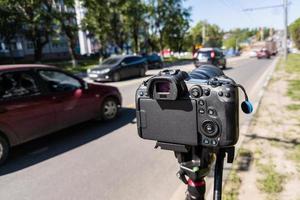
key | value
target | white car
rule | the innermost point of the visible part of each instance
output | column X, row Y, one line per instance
column 253, row 54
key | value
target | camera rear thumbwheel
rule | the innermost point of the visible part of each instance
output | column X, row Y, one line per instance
column 210, row 128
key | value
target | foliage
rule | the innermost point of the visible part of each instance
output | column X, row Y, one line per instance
column 9, row 24
column 235, row 36
column 213, row 35
column 138, row 23
column 295, row 32
column 35, row 19
column 66, row 17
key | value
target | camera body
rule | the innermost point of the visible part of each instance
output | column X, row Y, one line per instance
column 189, row 109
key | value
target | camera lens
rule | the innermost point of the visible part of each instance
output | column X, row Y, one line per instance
column 210, row 128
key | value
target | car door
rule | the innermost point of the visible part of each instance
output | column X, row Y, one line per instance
column 126, row 67
column 25, row 110
column 73, row 104
column 137, row 65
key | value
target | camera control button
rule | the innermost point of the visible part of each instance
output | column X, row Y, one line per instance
column 211, row 112
column 205, row 141
column 207, row 92
column 141, row 93
column 214, row 142
column 227, row 94
column 201, row 102
column 201, row 111
column 220, row 93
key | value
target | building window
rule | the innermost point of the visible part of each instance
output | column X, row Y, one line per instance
column 29, row 45
column 55, row 45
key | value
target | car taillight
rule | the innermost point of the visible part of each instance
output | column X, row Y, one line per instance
column 212, row 54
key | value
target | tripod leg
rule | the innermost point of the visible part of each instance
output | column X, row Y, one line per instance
column 196, row 190
column 219, row 175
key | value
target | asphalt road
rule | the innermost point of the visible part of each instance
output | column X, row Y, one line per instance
column 105, row 161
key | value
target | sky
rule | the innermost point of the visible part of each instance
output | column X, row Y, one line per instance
column 228, row 14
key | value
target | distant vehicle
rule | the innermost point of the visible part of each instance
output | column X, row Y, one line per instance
column 271, row 47
column 263, row 53
column 36, row 100
column 253, row 54
column 154, row 61
column 232, row 53
column 117, row 68
column 212, row 56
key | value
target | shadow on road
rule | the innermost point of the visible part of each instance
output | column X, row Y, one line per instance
column 60, row 142
column 228, row 68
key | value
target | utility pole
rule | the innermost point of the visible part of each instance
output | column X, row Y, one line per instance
column 203, row 33
column 285, row 35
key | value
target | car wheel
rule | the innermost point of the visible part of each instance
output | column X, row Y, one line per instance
column 142, row 72
column 116, row 77
column 4, row 149
column 224, row 66
column 109, row 109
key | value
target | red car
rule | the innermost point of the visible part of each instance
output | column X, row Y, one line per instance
column 264, row 53
column 36, row 100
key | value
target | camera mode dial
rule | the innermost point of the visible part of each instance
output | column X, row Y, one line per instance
column 196, row 91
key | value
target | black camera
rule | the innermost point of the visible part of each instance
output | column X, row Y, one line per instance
column 196, row 109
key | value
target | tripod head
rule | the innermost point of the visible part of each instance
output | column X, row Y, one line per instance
column 195, row 164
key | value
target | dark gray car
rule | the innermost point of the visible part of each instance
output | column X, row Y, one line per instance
column 119, row 67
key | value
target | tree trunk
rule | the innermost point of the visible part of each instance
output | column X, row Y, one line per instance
column 38, row 51
column 161, row 43
column 136, row 43
column 11, row 55
column 71, row 48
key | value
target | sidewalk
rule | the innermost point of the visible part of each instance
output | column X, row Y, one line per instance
column 268, row 165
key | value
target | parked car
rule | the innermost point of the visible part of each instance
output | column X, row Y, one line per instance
column 154, row 61
column 117, row 68
column 212, row 56
column 36, row 100
column 263, row 53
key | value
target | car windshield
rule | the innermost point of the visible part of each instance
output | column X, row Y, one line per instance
column 110, row 61
column 205, row 54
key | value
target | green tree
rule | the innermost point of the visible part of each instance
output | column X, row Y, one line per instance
column 177, row 27
column 37, row 22
column 9, row 25
column 295, row 32
column 97, row 21
column 66, row 17
column 135, row 12
column 213, row 34
column 164, row 14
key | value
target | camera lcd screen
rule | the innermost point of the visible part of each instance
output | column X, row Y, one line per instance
column 163, row 87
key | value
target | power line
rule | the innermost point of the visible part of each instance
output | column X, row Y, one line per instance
column 265, row 7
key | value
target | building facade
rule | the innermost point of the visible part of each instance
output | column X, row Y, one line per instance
column 56, row 48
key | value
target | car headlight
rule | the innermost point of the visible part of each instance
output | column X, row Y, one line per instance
column 88, row 70
column 104, row 71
